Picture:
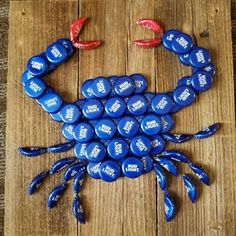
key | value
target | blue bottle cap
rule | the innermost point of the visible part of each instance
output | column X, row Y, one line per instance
column 147, row 164
column 184, row 59
column 132, row 167
column 169, row 204
column 26, row 76
column 93, row 169
column 158, row 144
column 40, row 99
column 128, row 126
column 176, row 107
column 201, row 81
column 210, row 68
column 83, row 132
column 35, row 88
column 124, row 86
column 170, row 94
column 109, row 171
column 101, row 87
column 182, row 43
column 51, row 102
column 113, row 79
column 149, row 96
column 37, row 65
column 140, row 145
column 105, row 128
column 56, row 116
column 137, row 105
column 117, row 148
column 151, row 124
column 92, row 109
column 51, row 67
column 184, row 95
column 95, row 152
column 161, row 104
column 56, row 53
column 167, row 123
column 140, row 83
column 190, row 187
column 200, row 173
column 115, row 107
column 186, row 80
column 167, row 38
column 194, row 70
column 67, row 131
column 199, row 57
column 80, row 103
column 67, row 45
column 70, row 113
column 86, row 89
column 79, row 151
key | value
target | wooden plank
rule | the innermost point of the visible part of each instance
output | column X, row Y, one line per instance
column 214, row 213
column 126, row 207
column 33, row 26
column 140, row 194
column 103, row 201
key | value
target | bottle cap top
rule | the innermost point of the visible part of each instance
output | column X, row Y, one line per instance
column 117, row 148
column 128, row 126
column 83, row 132
column 109, row 171
column 92, row 109
column 115, row 107
column 132, row 167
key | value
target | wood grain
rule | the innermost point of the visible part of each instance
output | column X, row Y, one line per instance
column 125, row 207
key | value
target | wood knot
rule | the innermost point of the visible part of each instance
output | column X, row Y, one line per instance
column 204, row 34
column 23, row 12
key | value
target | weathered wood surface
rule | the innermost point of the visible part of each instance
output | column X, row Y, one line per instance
column 126, row 207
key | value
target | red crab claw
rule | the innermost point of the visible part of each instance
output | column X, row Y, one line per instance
column 75, row 29
column 154, row 27
column 87, row 45
column 147, row 43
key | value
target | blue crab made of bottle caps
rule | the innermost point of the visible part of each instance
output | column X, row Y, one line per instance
column 119, row 129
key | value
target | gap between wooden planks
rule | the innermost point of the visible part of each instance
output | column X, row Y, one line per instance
column 126, row 207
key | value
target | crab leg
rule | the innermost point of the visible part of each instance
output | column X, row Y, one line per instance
column 78, row 181
column 56, row 167
column 37, row 151
column 173, row 155
column 168, row 165
column 170, row 209
column 76, row 171
column 200, row 173
column 190, row 186
column 55, row 194
column 161, row 176
column 77, row 210
column 37, row 181
column 181, row 138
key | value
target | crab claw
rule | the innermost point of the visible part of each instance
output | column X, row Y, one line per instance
column 75, row 29
column 87, row 45
column 146, row 43
column 151, row 25
column 154, row 27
